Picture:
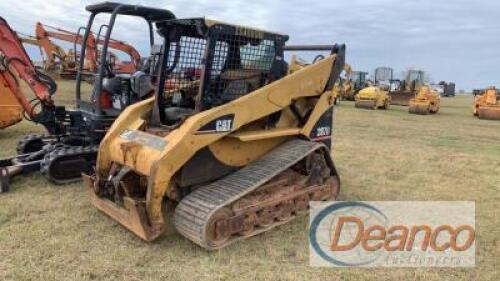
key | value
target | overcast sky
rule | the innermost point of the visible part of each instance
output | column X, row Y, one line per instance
column 455, row 40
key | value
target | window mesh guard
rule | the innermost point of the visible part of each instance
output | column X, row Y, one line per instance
column 185, row 61
column 239, row 67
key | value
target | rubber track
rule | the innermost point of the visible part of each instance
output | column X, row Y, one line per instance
column 25, row 140
column 193, row 213
column 65, row 152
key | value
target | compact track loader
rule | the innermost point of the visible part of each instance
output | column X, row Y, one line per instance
column 487, row 105
column 239, row 149
column 427, row 101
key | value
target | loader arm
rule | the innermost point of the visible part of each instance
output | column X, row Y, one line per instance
column 16, row 63
column 168, row 154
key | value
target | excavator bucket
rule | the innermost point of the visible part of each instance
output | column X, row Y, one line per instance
column 489, row 112
column 421, row 108
column 366, row 104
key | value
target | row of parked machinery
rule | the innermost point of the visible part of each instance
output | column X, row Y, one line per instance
column 384, row 91
column 420, row 97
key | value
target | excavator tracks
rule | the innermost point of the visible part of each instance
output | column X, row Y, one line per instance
column 31, row 143
column 264, row 194
column 65, row 164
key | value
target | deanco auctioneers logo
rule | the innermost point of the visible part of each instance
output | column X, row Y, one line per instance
column 392, row 234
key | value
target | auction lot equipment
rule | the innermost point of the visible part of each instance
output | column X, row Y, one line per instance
column 15, row 64
column 71, row 148
column 448, row 88
column 66, row 66
column 407, row 88
column 372, row 97
column 376, row 96
column 487, row 104
column 56, row 52
column 356, row 81
column 427, row 101
column 238, row 149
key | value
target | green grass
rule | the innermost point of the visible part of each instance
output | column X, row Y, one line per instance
column 52, row 232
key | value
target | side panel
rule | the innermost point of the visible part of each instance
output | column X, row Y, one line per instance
column 322, row 131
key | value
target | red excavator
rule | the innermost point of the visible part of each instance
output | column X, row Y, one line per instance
column 120, row 66
column 14, row 64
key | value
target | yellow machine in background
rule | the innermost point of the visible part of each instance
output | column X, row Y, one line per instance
column 63, row 60
column 355, row 81
column 407, row 88
column 238, row 150
column 487, row 105
column 344, row 87
column 376, row 96
column 427, row 101
column 372, row 97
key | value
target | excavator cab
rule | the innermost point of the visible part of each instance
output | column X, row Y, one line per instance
column 113, row 90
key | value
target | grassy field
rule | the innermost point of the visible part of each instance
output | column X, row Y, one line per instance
column 52, row 232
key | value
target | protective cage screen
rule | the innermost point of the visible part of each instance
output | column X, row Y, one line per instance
column 187, row 57
column 240, row 65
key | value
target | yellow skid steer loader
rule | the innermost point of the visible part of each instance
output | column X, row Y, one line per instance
column 238, row 147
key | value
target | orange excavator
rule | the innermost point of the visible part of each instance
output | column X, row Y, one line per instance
column 14, row 64
column 43, row 35
column 120, row 66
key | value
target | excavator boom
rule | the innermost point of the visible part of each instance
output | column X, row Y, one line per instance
column 43, row 35
column 16, row 63
column 54, row 50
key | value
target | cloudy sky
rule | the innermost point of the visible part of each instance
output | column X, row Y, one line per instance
column 453, row 40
